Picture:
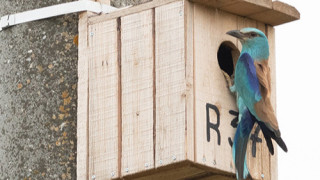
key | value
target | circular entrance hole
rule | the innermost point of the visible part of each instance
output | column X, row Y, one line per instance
column 228, row 55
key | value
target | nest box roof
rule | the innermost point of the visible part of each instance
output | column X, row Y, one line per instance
column 266, row 11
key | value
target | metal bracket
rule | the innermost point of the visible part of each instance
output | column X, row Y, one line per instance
column 52, row 11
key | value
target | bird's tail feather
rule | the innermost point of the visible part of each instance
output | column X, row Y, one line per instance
column 268, row 134
column 239, row 148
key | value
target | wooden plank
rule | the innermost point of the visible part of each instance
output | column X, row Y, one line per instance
column 248, row 7
column 230, row 3
column 107, row 2
column 279, row 14
column 189, row 8
column 210, row 27
column 265, row 155
column 103, row 100
column 178, row 170
column 274, row 13
column 137, row 92
column 128, row 11
column 272, row 64
column 217, row 177
column 215, row 3
column 274, row 163
column 82, row 111
column 170, row 84
column 176, row 173
column 181, row 170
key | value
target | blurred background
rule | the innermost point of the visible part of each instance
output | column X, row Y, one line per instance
column 298, row 94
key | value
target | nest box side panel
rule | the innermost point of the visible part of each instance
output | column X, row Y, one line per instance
column 272, row 63
column 137, row 81
column 103, row 100
column 265, row 155
column 170, row 83
column 215, row 106
column 272, row 59
column 82, row 111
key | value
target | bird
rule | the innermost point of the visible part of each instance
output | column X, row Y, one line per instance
column 252, row 87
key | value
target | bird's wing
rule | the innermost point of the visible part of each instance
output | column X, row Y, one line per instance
column 263, row 74
column 246, row 81
column 252, row 81
column 263, row 108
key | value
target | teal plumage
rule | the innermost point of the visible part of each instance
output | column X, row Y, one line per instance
column 256, row 45
column 252, row 86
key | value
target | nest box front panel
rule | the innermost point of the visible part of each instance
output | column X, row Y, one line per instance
column 137, row 86
column 170, row 75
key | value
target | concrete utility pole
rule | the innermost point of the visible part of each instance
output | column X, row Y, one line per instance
column 38, row 94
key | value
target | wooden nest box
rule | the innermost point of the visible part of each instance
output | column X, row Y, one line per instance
column 153, row 102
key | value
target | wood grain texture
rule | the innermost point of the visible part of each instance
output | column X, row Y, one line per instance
column 176, row 173
column 188, row 15
column 137, row 92
column 272, row 63
column 266, row 11
column 170, row 83
column 226, row 3
column 103, row 100
column 181, row 170
column 128, row 11
column 210, row 27
column 215, row 3
column 265, row 155
column 280, row 13
column 107, row 2
column 216, row 177
column 82, row 111
column 248, row 7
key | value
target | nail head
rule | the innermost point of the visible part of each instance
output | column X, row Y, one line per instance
column 174, row 157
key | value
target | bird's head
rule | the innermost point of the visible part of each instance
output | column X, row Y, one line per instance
column 253, row 42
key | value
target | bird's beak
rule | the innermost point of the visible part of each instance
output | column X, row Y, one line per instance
column 237, row 34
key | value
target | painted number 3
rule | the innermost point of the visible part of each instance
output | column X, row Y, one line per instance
column 234, row 123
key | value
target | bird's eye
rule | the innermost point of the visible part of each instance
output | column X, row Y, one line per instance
column 253, row 34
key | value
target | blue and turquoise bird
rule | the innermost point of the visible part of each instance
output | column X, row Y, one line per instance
column 252, row 86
